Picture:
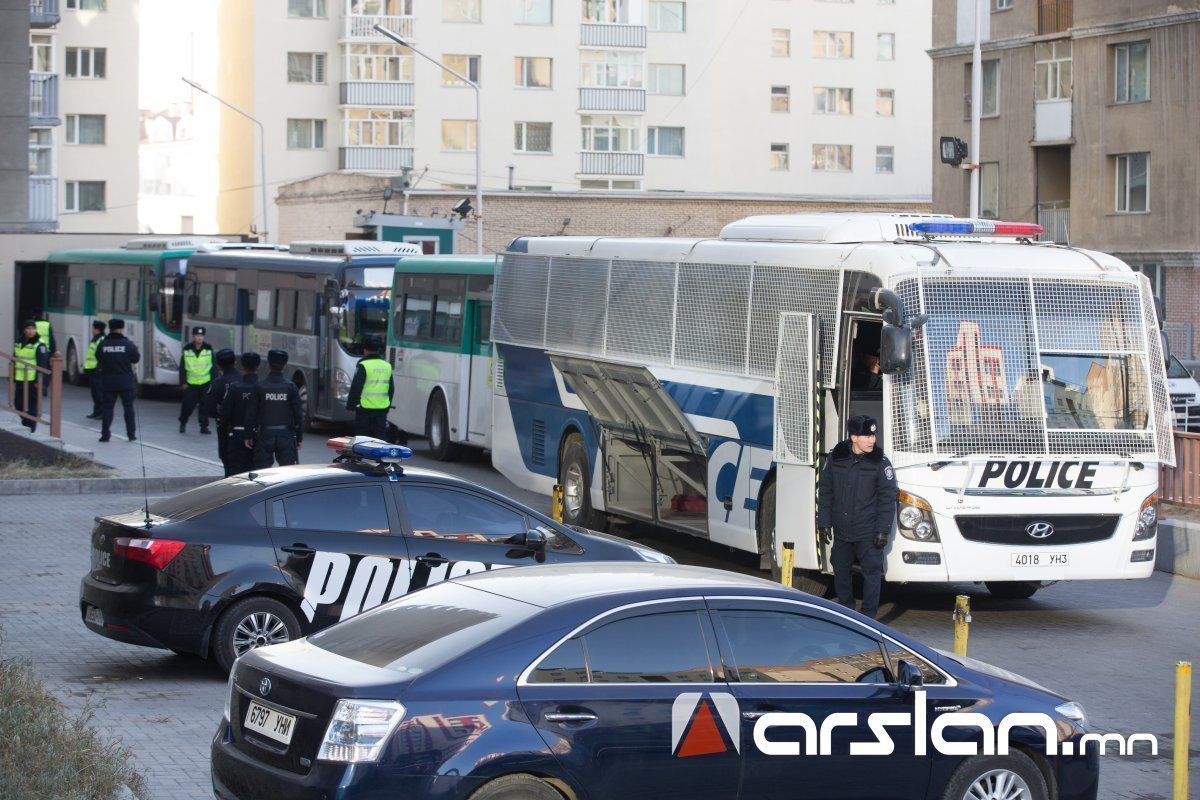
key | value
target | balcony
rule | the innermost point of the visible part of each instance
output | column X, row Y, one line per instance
column 1055, row 218
column 376, row 93
column 1054, row 16
column 43, row 99
column 361, row 27
column 593, row 163
column 43, row 13
column 593, row 34
column 595, row 98
column 375, row 159
column 1052, row 120
column 43, row 202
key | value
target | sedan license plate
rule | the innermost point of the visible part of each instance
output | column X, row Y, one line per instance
column 94, row 616
column 270, row 723
column 1039, row 559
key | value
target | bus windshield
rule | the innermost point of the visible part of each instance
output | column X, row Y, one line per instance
column 170, row 290
column 367, row 278
column 366, row 314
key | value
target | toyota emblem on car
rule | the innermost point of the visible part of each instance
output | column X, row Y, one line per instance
column 264, row 687
column 1039, row 529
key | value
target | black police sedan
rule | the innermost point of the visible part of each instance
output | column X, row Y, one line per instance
column 631, row 681
column 265, row 557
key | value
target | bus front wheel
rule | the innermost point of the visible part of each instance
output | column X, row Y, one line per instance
column 74, row 373
column 1012, row 590
column 805, row 580
column 573, row 474
column 437, row 430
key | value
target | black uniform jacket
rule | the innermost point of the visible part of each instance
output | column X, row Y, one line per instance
column 216, row 393
column 117, row 355
column 276, row 403
column 857, row 496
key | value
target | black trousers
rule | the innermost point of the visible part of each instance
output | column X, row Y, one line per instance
column 870, row 558
column 275, row 447
column 97, row 387
column 25, row 398
column 371, row 422
column 110, row 403
column 223, row 447
column 193, row 398
column 238, row 458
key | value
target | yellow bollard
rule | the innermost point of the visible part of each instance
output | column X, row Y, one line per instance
column 788, row 565
column 1183, row 727
column 556, row 503
column 962, row 623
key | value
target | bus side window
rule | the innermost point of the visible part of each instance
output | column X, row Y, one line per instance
column 225, row 306
column 104, row 295
column 483, row 324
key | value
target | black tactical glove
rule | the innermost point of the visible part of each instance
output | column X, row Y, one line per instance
column 826, row 535
column 881, row 540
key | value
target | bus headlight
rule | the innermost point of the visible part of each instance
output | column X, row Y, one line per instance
column 342, row 381
column 164, row 358
column 1146, row 524
column 916, row 518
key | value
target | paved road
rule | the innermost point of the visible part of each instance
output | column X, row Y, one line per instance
column 1110, row 645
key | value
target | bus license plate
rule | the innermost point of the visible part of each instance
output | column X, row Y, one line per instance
column 1039, row 559
column 270, row 723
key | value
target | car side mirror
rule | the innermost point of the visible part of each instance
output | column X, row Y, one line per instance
column 908, row 676
column 531, row 542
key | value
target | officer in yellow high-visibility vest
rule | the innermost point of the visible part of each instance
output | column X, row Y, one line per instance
column 198, row 367
column 371, row 391
column 91, row 365
column 44, row 331
column 30, row 354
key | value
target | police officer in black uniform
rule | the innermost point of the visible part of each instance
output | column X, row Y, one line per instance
column 856, row 508
column 117, row 355
column 239, row 448
column 277, row 416
column 227, row 363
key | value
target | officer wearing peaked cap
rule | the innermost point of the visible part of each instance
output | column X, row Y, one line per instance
column 91, row 365
column 857, row 508
column 227, row 363
column 276, row 415
column 197, row 374
column 117, row 357
column 371, row 391
column 239, row 445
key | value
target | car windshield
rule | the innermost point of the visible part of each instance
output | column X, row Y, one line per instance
column 1176, row 369
column 424, row 630
column 205, row 498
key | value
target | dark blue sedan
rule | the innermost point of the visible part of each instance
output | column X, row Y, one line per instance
column 625, row 681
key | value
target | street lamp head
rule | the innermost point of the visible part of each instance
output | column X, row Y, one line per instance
column 194, row 85
column 391, row 35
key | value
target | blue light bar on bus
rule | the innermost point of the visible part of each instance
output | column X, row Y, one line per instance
column 975, row 227
column 369, row 448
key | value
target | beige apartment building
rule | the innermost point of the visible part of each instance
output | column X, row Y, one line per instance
column 1089, row 119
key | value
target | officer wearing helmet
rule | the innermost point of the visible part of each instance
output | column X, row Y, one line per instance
column 276, row 415
column 856, row 510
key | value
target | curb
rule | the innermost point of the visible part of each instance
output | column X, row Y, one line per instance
column 105, row 485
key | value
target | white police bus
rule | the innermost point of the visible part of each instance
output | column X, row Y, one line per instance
column 698, row 383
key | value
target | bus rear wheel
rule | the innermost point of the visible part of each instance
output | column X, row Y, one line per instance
column 437, row 430
column 1012, row 590
column 74, row 373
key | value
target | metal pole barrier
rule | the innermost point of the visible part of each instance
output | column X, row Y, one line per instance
column 56, row 372
column 1183, row 727
column 789, row 564
column 962, row 623
column 556, row 503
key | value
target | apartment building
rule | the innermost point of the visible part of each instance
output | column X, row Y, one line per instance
column 805, row 98
column 1089, row 113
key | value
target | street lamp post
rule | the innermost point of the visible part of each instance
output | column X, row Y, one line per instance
column 262, row 153
column 478, row 136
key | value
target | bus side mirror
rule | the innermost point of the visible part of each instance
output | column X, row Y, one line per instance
column 895, row 349
column 193, row 304
column 1166, row 348
column 154, row 302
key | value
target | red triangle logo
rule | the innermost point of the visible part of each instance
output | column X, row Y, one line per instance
column 703, row 736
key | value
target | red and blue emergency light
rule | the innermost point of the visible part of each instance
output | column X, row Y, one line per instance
column 369, row 448
column 975, row 227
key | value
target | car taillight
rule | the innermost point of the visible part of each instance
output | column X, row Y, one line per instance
column 155, row 552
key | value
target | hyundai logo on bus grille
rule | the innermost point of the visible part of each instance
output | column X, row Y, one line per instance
column 264, row 687
column 1040, row 530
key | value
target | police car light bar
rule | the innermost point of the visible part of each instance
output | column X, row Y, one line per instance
column 369, row 448
column 975, row 227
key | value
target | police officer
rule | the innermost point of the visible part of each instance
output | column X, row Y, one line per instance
column 92, row 367
column 117, row 355
column 45, row 336
column 239, row 449
column 198, row 372
column 857, row 506
column 371, row 391
column 277, row 416
column 30, row 354
column 227, row 362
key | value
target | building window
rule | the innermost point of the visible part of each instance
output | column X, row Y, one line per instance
column 41, row 52
column 373, row 127
column 832, row 157
column 661, row 141
column 1133, row 183
column 615, row 68
column 531, row 73
column 611, row 185
column 531, row 137
column 84, row 196
column 1132, row 63
column 885, row 159
column 989, row 190
column 86, row 62
column 611, row 134
column 306, row 134
column 885, row 102
column 885, row 47
column 613, row 12
column 534, row 12
column 306, row 67
column 378, row 62
column 832, row 100
column 666, row 16
column 833, row 44
column 462, row 10
column 467, row 66
column 781, row 42
column 41, row 152
column 779, row 157
column 306, row 9
column 85, row 129
column 458, row 135
column 1158, row 281
column 1003, row 5
column 381, row 8
column 991, row 89
column 1052, row 69
column 781, row 99
column 87, row 5
column 665, row 79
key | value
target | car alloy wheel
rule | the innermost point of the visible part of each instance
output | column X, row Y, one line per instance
column 998, row 784
column 259, row 630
